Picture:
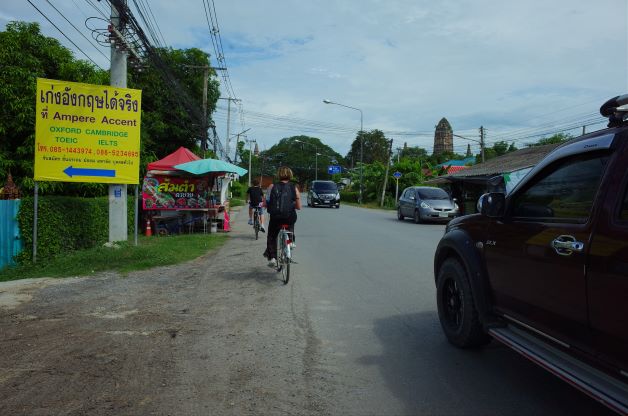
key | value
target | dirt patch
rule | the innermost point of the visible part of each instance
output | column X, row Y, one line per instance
column 16, row 292
column 217, row 335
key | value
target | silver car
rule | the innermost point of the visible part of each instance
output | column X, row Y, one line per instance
column 424, row 203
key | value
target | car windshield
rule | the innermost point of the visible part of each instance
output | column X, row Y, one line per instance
column 434, row 193
column 325, row 187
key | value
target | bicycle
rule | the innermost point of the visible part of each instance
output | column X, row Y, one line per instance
column 257, row 211
column 284, row 253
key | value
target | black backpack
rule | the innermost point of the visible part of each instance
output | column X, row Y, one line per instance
column 282, row 199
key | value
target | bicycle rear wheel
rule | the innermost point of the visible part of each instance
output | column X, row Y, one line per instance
column 283, row 259
column 256, row 224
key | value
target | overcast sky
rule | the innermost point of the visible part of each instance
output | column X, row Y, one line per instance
column 517, row 68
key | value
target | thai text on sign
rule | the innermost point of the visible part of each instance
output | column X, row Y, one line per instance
column 87, row 133
column 173, row 192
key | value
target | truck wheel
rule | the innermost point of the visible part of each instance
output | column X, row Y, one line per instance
column 456, row 308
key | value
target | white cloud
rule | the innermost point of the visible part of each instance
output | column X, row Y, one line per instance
column 405, row 63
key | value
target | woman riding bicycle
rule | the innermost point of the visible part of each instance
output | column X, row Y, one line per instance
column 255, row 196
column 286, row 215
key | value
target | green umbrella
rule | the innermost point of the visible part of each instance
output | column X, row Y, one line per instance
column 204, row 166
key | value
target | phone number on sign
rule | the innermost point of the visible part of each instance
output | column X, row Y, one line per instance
column 63, row 149
column 120, row 153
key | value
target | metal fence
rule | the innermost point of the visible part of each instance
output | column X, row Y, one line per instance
column 10, row 242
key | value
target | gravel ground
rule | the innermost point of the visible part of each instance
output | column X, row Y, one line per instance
column 218, row 335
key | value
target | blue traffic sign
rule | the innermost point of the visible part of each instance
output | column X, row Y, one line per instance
column 397, row 175
column 334, row 169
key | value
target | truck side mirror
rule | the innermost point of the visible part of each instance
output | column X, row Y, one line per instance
column 493, row 204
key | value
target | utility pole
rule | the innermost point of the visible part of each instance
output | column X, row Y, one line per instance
column 389, row 154
column 235, row 158
column 118, row 230
column 482, row 142
column 229, row 99
column 205, row 124
column 250, row 142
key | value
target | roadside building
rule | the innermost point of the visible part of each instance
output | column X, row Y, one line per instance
column 499, row 174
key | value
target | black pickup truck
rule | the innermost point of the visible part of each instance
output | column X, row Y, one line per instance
column 544, row 269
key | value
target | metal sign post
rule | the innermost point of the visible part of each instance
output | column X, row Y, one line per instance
column 397, row 175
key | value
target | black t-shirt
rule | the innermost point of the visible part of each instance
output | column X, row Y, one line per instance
column 256, row 195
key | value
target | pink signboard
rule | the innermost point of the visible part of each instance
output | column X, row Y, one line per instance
column 173, row 192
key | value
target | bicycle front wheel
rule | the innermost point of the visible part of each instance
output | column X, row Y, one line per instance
column 283, row 258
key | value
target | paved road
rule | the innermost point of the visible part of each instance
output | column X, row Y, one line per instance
column 355, row 332
column 367, row 281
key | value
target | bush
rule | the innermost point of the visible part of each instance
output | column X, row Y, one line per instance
column 238, row 189
column 349, row 196
column 66, row 224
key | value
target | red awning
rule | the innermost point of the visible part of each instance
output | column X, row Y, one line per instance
column 453, row 169
column 181, row 155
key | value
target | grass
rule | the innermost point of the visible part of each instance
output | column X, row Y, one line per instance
column 150, row 252
column 236, row 202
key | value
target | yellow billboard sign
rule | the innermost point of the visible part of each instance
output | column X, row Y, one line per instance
column 87, row 133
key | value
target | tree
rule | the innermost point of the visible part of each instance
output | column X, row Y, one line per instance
column 25, row 55
column 375, row 147
column 172, row 95
column 299, row 153
column 498, row 149
column 413, row 153
column 556, row 138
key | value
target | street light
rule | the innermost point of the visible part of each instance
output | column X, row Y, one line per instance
column 361, row 142
column 317, row 155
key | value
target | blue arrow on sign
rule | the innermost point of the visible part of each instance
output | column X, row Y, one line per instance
column 397, row 175
column 70, row 171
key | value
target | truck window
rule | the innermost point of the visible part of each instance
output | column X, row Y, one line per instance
column 565, row 193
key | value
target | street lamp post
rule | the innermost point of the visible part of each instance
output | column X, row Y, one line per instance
column 361, row 142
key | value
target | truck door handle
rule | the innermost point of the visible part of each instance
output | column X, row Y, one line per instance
column 566, row 245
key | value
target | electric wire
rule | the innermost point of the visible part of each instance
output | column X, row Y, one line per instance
column 81, row 33
column 66, row 36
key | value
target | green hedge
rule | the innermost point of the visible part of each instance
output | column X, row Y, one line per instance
column 238, row 190
column 349, row 196
column 65, row 224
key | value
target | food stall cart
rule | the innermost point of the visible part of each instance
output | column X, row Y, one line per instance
column 181, row 197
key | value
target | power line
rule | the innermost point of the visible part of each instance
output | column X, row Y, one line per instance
column 97, row 9
column 60, row 31
column 81, row 33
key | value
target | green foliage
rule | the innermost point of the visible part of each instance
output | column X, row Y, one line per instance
column 238, row 189
column 166, row 124
column 414, row 153
column 166, row 120
column 65, row 224
column 26, row 55
column 151, row 252
column 349, row 196
column 375, row 147
column 298, row 153
column 557, row 138
column 498, row 149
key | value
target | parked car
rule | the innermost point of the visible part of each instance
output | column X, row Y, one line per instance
column 323, row 193
column 544, row 270
column 424, row 203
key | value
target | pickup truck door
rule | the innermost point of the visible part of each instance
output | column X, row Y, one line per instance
column 608, row 273
column 536, row 254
